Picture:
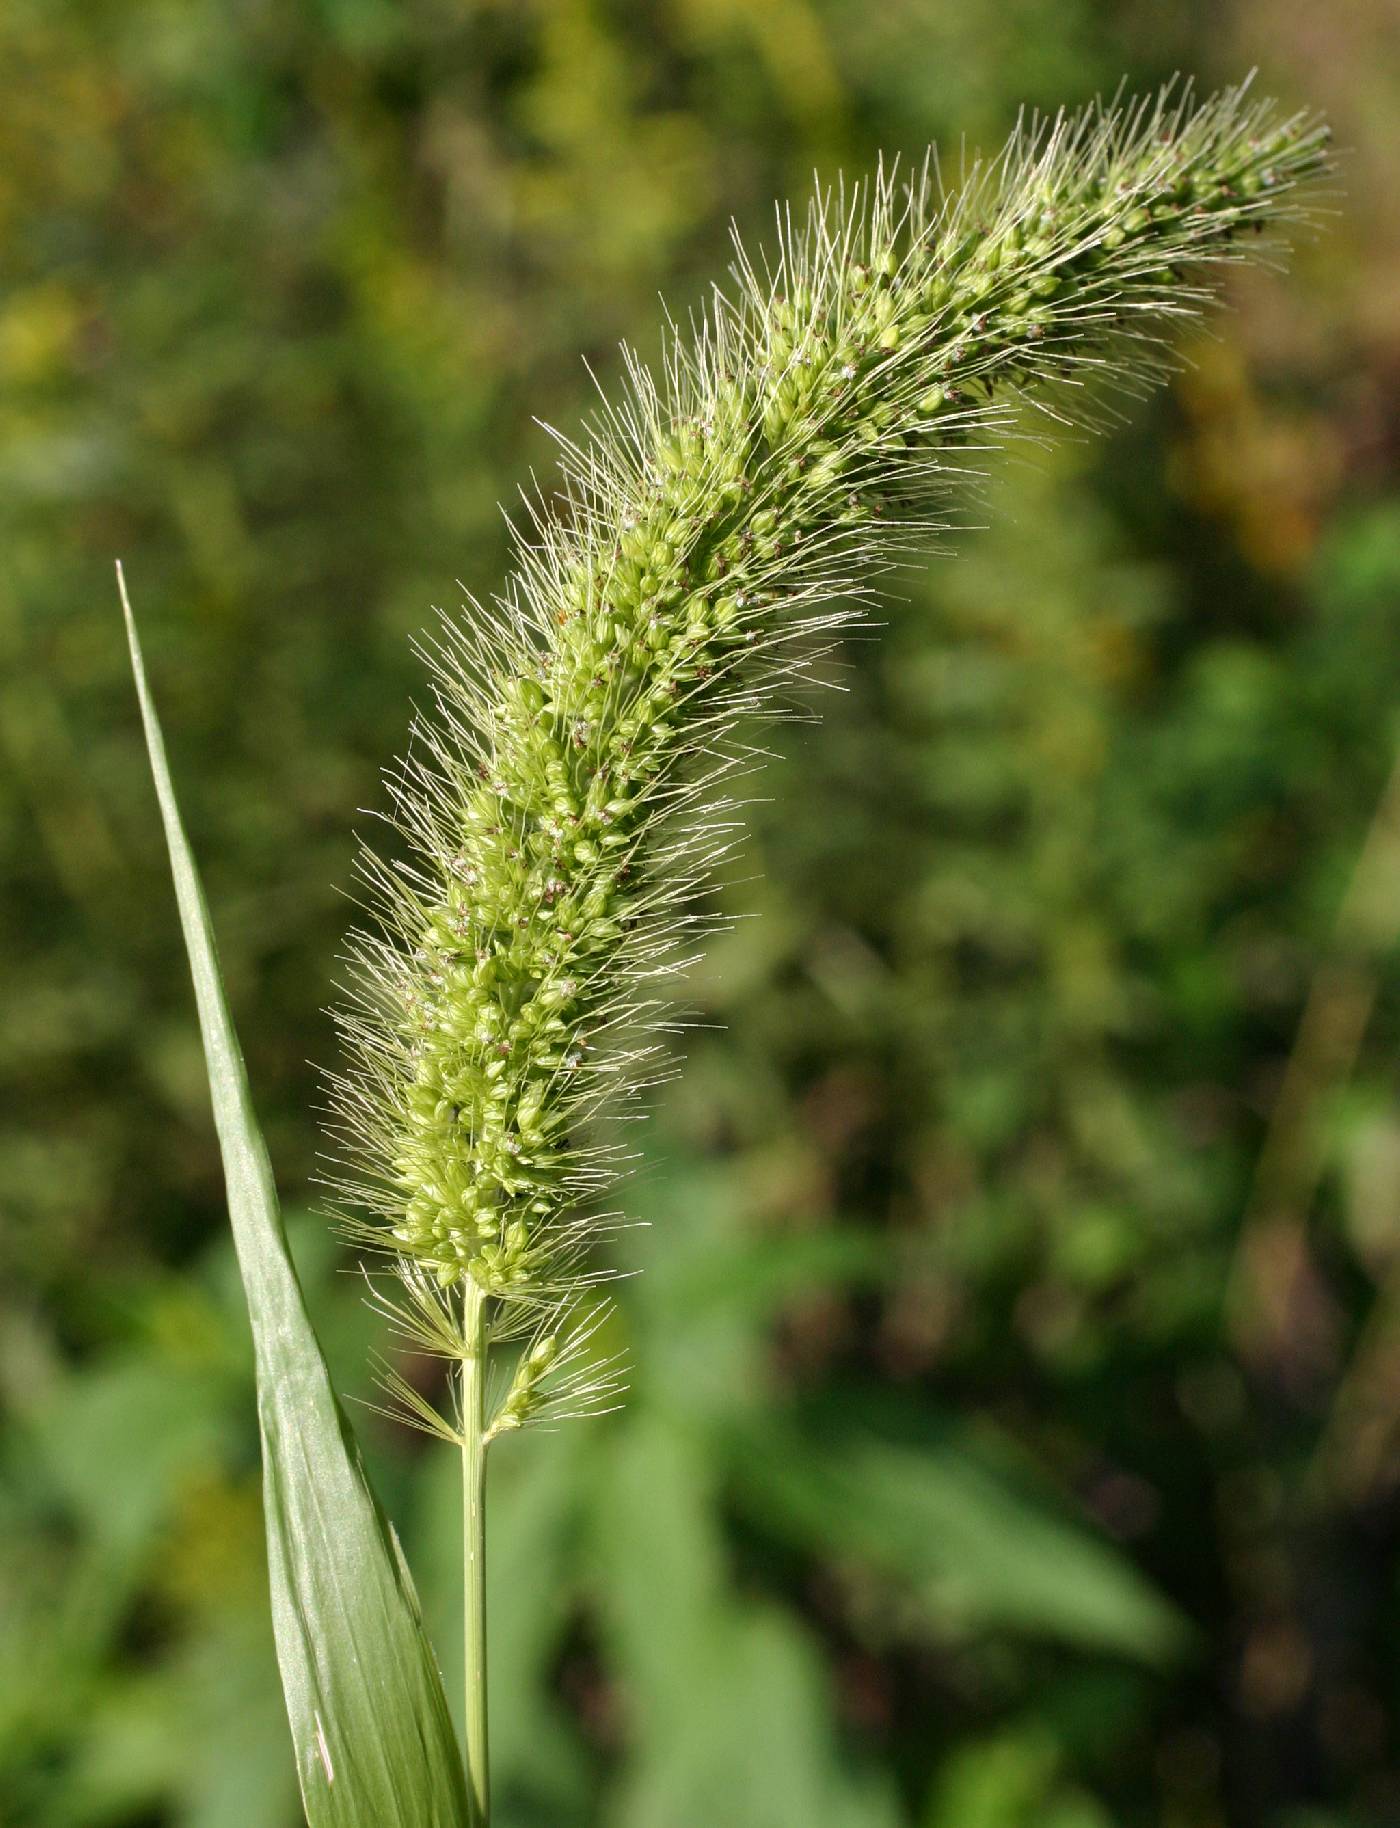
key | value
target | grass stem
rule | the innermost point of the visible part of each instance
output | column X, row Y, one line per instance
column 474, row 1554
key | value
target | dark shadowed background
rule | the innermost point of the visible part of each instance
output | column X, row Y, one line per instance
column 1013, row 1440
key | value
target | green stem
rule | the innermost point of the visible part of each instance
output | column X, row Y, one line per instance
column 473, row 1397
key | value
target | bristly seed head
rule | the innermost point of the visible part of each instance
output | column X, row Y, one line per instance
column 716, row 527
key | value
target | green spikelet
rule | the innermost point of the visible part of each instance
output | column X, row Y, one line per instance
column 567, row 800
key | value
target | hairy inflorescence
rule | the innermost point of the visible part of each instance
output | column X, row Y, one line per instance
column 567, row 799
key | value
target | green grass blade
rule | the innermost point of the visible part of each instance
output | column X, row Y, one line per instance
column 373, row 1737
column 976, row 1545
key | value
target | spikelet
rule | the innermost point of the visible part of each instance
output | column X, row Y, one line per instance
column 567, row 800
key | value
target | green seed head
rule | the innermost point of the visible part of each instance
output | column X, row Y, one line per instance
column 715, row 528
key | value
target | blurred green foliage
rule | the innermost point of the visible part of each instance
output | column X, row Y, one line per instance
column 1012, row 1444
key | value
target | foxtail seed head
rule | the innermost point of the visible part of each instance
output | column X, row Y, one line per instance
column 568, row 799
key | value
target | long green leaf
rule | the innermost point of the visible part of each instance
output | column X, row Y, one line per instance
column 373, row 1737
column 972, row 1542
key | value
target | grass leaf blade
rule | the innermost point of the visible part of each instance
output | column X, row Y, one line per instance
column 973, row 1544
column 370, row 1724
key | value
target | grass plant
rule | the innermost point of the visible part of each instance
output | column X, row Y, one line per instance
column 569, row 795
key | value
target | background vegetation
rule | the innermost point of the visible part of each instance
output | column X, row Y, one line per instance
column 1019, row 1355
